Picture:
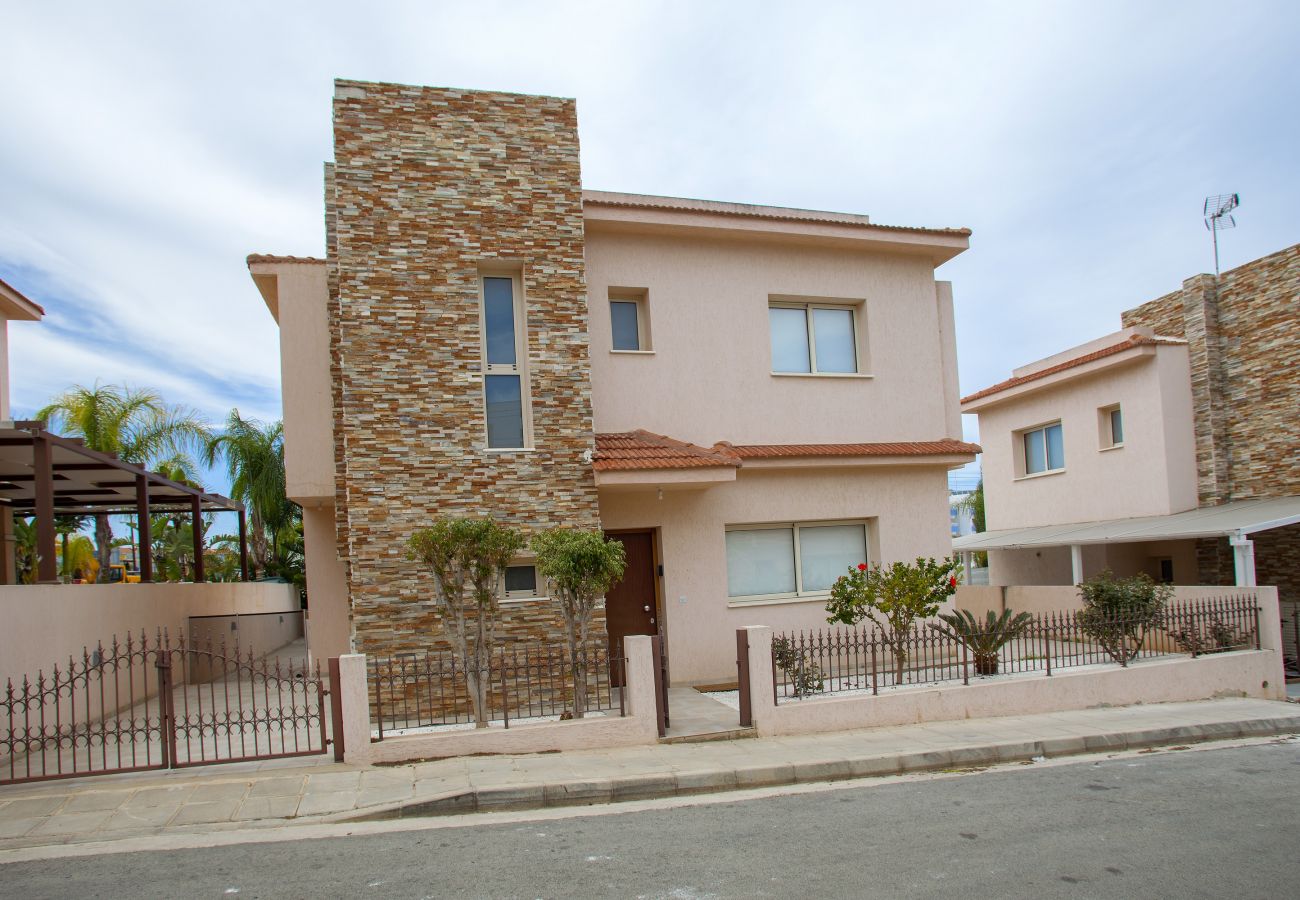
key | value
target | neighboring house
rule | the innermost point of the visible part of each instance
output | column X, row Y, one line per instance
column 961, row 518
column 13, row 306
column 750, row 398
column 1171, row 447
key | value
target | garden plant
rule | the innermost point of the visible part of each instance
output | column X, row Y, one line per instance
column 1119, row 613
column 984, row 639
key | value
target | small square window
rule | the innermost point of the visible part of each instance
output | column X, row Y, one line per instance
column 520, row 582
column 1044, row 449
column 629, row 321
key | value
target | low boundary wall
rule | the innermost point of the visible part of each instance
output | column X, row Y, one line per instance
column 44, row 624
column 639, row 726
column 1242, row 673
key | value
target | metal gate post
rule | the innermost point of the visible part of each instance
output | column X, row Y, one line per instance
column 742, row 677
column 336, row 708
column 166, row 707
column 661, row 688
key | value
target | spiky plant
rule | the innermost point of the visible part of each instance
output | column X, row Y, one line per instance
column 984, row 638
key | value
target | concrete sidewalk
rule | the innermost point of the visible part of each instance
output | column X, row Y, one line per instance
column 283, row 794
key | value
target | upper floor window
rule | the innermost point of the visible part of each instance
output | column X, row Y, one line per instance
column 813, row 339
column 504, row 374
column 1044, row 449
column 629, row 320
column 1111, row 421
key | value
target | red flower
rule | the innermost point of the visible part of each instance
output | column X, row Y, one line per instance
column 952, row 582
column 862, row 567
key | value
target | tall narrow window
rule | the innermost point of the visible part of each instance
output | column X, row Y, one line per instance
column 503, row 377
column 623, row 317
column 813, row 339
column 1112, row 427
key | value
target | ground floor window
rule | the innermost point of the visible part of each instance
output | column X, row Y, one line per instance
column 520, row 582
column 791, row 560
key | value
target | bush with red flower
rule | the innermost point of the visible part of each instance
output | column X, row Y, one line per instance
column 893, row 598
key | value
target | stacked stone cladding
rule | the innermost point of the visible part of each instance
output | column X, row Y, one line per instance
column 429, row 186
column 1244, row 342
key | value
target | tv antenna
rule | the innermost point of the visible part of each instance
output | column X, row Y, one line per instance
column 1217, row 218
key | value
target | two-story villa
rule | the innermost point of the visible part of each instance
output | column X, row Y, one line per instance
column 1171, row 447
column 751, row 399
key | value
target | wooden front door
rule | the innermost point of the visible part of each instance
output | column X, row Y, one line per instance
column 630, row 606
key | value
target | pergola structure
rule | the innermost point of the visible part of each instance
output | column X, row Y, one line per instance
column 46, row 475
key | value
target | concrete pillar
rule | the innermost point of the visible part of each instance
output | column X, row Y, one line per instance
column 640, row 686
column 1076, row 562
column 1243, row 559
column 762, row 698
column 354, row 693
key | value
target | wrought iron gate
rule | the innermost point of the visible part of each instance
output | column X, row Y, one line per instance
column 142, row 704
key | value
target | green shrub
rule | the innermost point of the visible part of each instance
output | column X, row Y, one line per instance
column 1119, row 613
column 984, row 639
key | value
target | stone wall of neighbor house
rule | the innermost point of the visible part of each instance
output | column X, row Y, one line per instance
column 429, row 185
column 1244, row 336
column 1277, row 561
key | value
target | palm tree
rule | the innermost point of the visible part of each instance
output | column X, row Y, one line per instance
column 134, row 424
column 254, row 455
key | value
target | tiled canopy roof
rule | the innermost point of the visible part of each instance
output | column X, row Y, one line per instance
column 645, row 450
column 640, row 449
column 1136, row 340
column 893, row 448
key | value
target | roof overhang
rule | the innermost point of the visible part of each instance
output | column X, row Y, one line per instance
column 637, row 213
column 1236, row 519
column 13, row 305
column 697, row 478
column 266, row 271
column 87, row 481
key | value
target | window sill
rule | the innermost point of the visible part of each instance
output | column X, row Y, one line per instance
column 822, row 375
column 1111, row 447
column 1039, row 475
column 631, row 353
column 516, row 601
column 509, row 449
column 737, row 602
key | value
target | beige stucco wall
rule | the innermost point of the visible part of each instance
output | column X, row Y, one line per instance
column 909, row 506
column 1154, row 473
column 708, row 308
column 46, row 623
column 4, row 368
column 302, row 295
column 1052, row 565
column 329, row 628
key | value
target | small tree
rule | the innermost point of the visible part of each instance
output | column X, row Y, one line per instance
column 468, row 558
column 893, row 599
column 1118, row 613
column 580, row 567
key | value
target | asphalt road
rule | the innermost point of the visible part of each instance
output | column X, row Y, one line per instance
column 1221, row 823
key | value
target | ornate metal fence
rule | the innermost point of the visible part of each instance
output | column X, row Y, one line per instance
column 153, row 704
column 831, row 661
column 523, row 681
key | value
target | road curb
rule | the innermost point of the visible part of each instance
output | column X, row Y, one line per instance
column 589, row 792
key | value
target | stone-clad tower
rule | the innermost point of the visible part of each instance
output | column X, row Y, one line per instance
column 458, row 318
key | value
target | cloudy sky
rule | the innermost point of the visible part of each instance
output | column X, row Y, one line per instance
column 148, row 147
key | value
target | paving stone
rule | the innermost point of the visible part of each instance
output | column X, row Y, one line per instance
column 28, row 807
column 94, row 801
column 13, row 828
column 210, row 793
column 72, row 823
column 163, row 796
column 391, row 793
column 333, row 781
column 277, row 807
column 321, row 802
column 140, row 817
column 276, row 787
column 206, row 813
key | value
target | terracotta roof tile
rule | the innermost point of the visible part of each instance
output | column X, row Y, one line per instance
column 1136, row 340
column 892, row 448
column 645, row 450
column 268, row 258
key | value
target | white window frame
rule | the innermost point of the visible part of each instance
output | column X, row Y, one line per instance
column 520, row 366
column 856, row 317
column 1106, row 426
column 799, row 594
column 538, row 593
column 640, row 297
column 1022, row 458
